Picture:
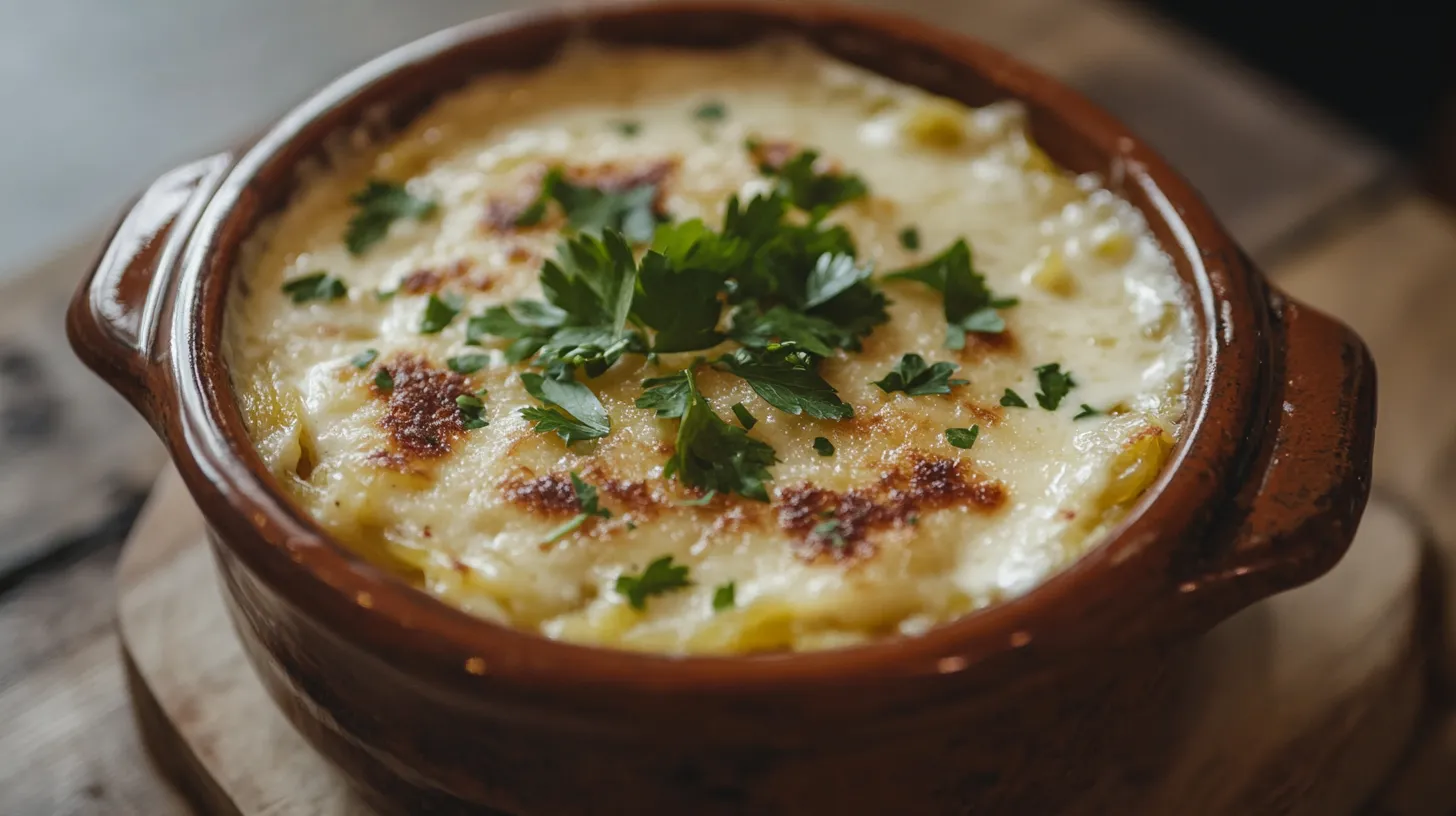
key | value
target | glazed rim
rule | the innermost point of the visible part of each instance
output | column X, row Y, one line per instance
column 386, row 616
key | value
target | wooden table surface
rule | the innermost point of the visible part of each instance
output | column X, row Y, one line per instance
column 1327, row 215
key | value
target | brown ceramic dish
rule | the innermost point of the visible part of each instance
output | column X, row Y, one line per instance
column 1054, row 698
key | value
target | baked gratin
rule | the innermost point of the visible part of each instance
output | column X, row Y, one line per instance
column 710, row 352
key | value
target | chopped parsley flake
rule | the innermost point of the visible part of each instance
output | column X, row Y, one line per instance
column 823, row 446
column 701, row 501
column 471, row 410
column 661, row 576
column 1087, row 411
column 315, row 286
column 711, row 111
column 963, row 438
column 1011, row 399
column 829, row 530
column 439, row 311
column 383, row 380
column 1054, row 385
column 813, row 190
column 910, row 238
column 365, row 358
column 744, row 418
column 628, row 127
column 723, row 596
column 668, row 396
column 380, row 204
column 916, row 379
column 468, row 363
column 586, row 501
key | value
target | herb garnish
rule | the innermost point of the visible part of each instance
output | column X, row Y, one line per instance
column 1087, row 411
column 723, row 596
column 786, row 379
column 586, row 501
column 383, row 380
column 910, row 238
column 631, row 212
column 380, row 204
column 713, row 455
column 471, row 410
column 963, row 438
column 969, row 304
column 1054, row 385
column 744, row 418
column 823, row 446
column 1011, row 399
column 318, row 285
column 571, row 410
column 660, row 576
column 711, row 111
column 364, row 358
column 439, row 311
column 701, row 501
column 668, row 396
column 813, row 190
column 467, row 363
column 916, row 379
column 830, row 530
column 628, row 127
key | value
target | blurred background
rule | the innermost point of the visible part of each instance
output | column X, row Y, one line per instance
column 1323, row 134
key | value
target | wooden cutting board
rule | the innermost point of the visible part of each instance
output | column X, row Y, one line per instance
column 1303, row 704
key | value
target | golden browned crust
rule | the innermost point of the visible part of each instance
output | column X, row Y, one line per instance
column 548, row 495
column 420, row 415
column 432, row 279
column 926, row 483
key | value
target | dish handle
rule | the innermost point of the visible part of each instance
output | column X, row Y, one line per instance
column 115, row 317
column 1305, row 489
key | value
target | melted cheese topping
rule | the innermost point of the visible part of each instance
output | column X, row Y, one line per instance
column 929, row 531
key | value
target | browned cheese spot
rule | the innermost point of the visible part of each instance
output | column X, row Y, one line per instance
column 924, row 483
column 980, row 345
column 420, row 415
column 432, row 279
column 549, row 495
column 772, row 154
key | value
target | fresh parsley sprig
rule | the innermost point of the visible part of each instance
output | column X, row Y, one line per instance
column 969, row 304
column 917, row 379
column 318, row 285
column 1054, row 384
column 714, row 455
column 569, row 409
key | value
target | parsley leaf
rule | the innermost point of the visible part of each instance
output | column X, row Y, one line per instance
column 592, row 280
column 814, row 191
column 915, row 378
column 1087, row 411
column 467, row 363
column 660, row 576
column 586, row 500
column 364, row 358
column 832, row 275
column 711, row 111
column 713, row 455
column 668, row 396
column 471, row 411
column 969, row 304
column 383, row 380
column 318, row 285
column 1054, row 385
column 963, row 438
column 723, row 596
column 380, row 204
column 910, row 238
column 530, row 323
column 439, row 311
column 823, row 446
column 628, row 127
column 744, row 418
column 1011, row 399
column 830, row 531
column 701, row 501
column 631, row 211
column 781, row 324
column 680, row 302
column 571, row 410
column 784, row 382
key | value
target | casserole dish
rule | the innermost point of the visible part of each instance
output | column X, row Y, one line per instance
column 1057, row 698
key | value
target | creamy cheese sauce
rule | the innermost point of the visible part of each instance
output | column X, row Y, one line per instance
column 930, row 531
